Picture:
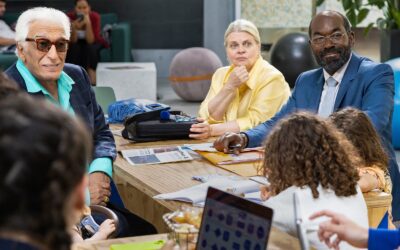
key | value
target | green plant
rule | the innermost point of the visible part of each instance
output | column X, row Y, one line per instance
column 358, row 10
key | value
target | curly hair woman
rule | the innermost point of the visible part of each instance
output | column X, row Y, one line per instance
column 359, row 130
column 310, row 157
column 43, row 159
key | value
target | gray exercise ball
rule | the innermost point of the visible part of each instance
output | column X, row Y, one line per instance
column 292, row 55
column 191, row 71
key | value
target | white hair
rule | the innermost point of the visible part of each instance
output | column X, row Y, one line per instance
column 242, row 25
column 50, row 15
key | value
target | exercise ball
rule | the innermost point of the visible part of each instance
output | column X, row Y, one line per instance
column 191, row 71
column 395, row 64
column 292, row 55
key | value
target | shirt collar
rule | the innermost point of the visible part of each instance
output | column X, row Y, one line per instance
column 338, row 75
column 33, row 86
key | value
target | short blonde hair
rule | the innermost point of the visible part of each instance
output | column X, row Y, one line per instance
column 242, row 25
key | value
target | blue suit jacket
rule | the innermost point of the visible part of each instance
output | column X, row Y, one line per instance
column 383, row 239
column 84, row 103
column 367, row 86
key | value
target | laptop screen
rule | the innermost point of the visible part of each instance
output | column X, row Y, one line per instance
column 231, row 222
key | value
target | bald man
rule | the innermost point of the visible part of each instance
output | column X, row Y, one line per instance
column 343, row 80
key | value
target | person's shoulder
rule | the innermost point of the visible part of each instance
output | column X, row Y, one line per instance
column 221, row 71
column 71, row 14
column 268, row 69
column 94, row 14
column 309, row 76
column 72, row 68
column 77, row 73
column 368, row 66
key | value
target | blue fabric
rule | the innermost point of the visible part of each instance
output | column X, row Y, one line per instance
column 395, row 64
column 115, row 198
column 15, row 245
column 383, row 239
column 366, row 85
column 119, row 110
column 84, row 104
column 385, row 221
column 102, row 164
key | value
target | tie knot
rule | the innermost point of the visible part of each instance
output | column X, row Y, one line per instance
column 331, row 82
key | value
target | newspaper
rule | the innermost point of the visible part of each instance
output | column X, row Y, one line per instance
column 156, row 155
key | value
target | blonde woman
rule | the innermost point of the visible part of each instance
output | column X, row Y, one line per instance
column 244, row 94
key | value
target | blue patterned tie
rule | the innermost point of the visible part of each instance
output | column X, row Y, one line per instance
column 327, row 104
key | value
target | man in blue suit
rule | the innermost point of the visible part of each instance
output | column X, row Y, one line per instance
column 344, row 79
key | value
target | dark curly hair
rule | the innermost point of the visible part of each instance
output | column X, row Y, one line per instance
column 303, row 150
column 358, row 128
column 43, row 158
column 7, row 87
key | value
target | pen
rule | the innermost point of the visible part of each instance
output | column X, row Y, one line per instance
column 235, row 146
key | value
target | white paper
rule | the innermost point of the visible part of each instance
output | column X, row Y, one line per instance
column 197, row 194
column 155, row 155
column 207, row 147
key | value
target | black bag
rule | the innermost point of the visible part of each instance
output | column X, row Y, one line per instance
column 149, row 126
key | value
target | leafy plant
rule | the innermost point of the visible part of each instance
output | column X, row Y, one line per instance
column 358, row 10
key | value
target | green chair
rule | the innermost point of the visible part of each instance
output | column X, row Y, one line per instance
column 104, row 96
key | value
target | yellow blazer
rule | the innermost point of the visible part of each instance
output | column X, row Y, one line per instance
column 265, row 94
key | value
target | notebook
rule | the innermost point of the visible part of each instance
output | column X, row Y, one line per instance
column 231, row 222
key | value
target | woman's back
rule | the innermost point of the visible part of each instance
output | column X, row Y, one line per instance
column 352, row 206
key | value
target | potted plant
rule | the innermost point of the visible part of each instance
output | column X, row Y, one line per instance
column 389, row 24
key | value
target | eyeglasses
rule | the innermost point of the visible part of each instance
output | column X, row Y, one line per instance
column 44, row 45
column 334, row 38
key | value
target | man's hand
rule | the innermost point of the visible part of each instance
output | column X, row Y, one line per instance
column 230, row 142
column 238, row 76
column 99, row 188
column 343, row 228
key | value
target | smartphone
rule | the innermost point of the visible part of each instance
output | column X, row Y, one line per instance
column 80, row 17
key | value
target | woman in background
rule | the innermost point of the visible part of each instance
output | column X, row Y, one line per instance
column 357, row 127
column 86, row 40
column 245, row 94
column 310, row 157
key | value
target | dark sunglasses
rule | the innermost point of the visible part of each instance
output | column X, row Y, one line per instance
column 44, row 45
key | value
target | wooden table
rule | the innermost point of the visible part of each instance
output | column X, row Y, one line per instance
column 138, row 184
column 277, row 240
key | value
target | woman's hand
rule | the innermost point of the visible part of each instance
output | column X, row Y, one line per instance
column 201, row 130
column 77, row 24
column 238, row 76
column 265, row 193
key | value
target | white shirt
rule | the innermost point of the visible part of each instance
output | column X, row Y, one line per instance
column 338, row 76
column 353, row 207
column 6, row 32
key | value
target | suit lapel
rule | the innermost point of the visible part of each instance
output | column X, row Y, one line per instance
column 315, row 91
column 348, row 77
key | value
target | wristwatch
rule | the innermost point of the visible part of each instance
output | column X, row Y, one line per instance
column 244, row 139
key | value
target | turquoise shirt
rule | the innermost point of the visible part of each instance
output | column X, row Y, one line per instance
column 103, row 164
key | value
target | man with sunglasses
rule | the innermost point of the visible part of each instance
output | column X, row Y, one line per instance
column 42, row 36
column 344, row 79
